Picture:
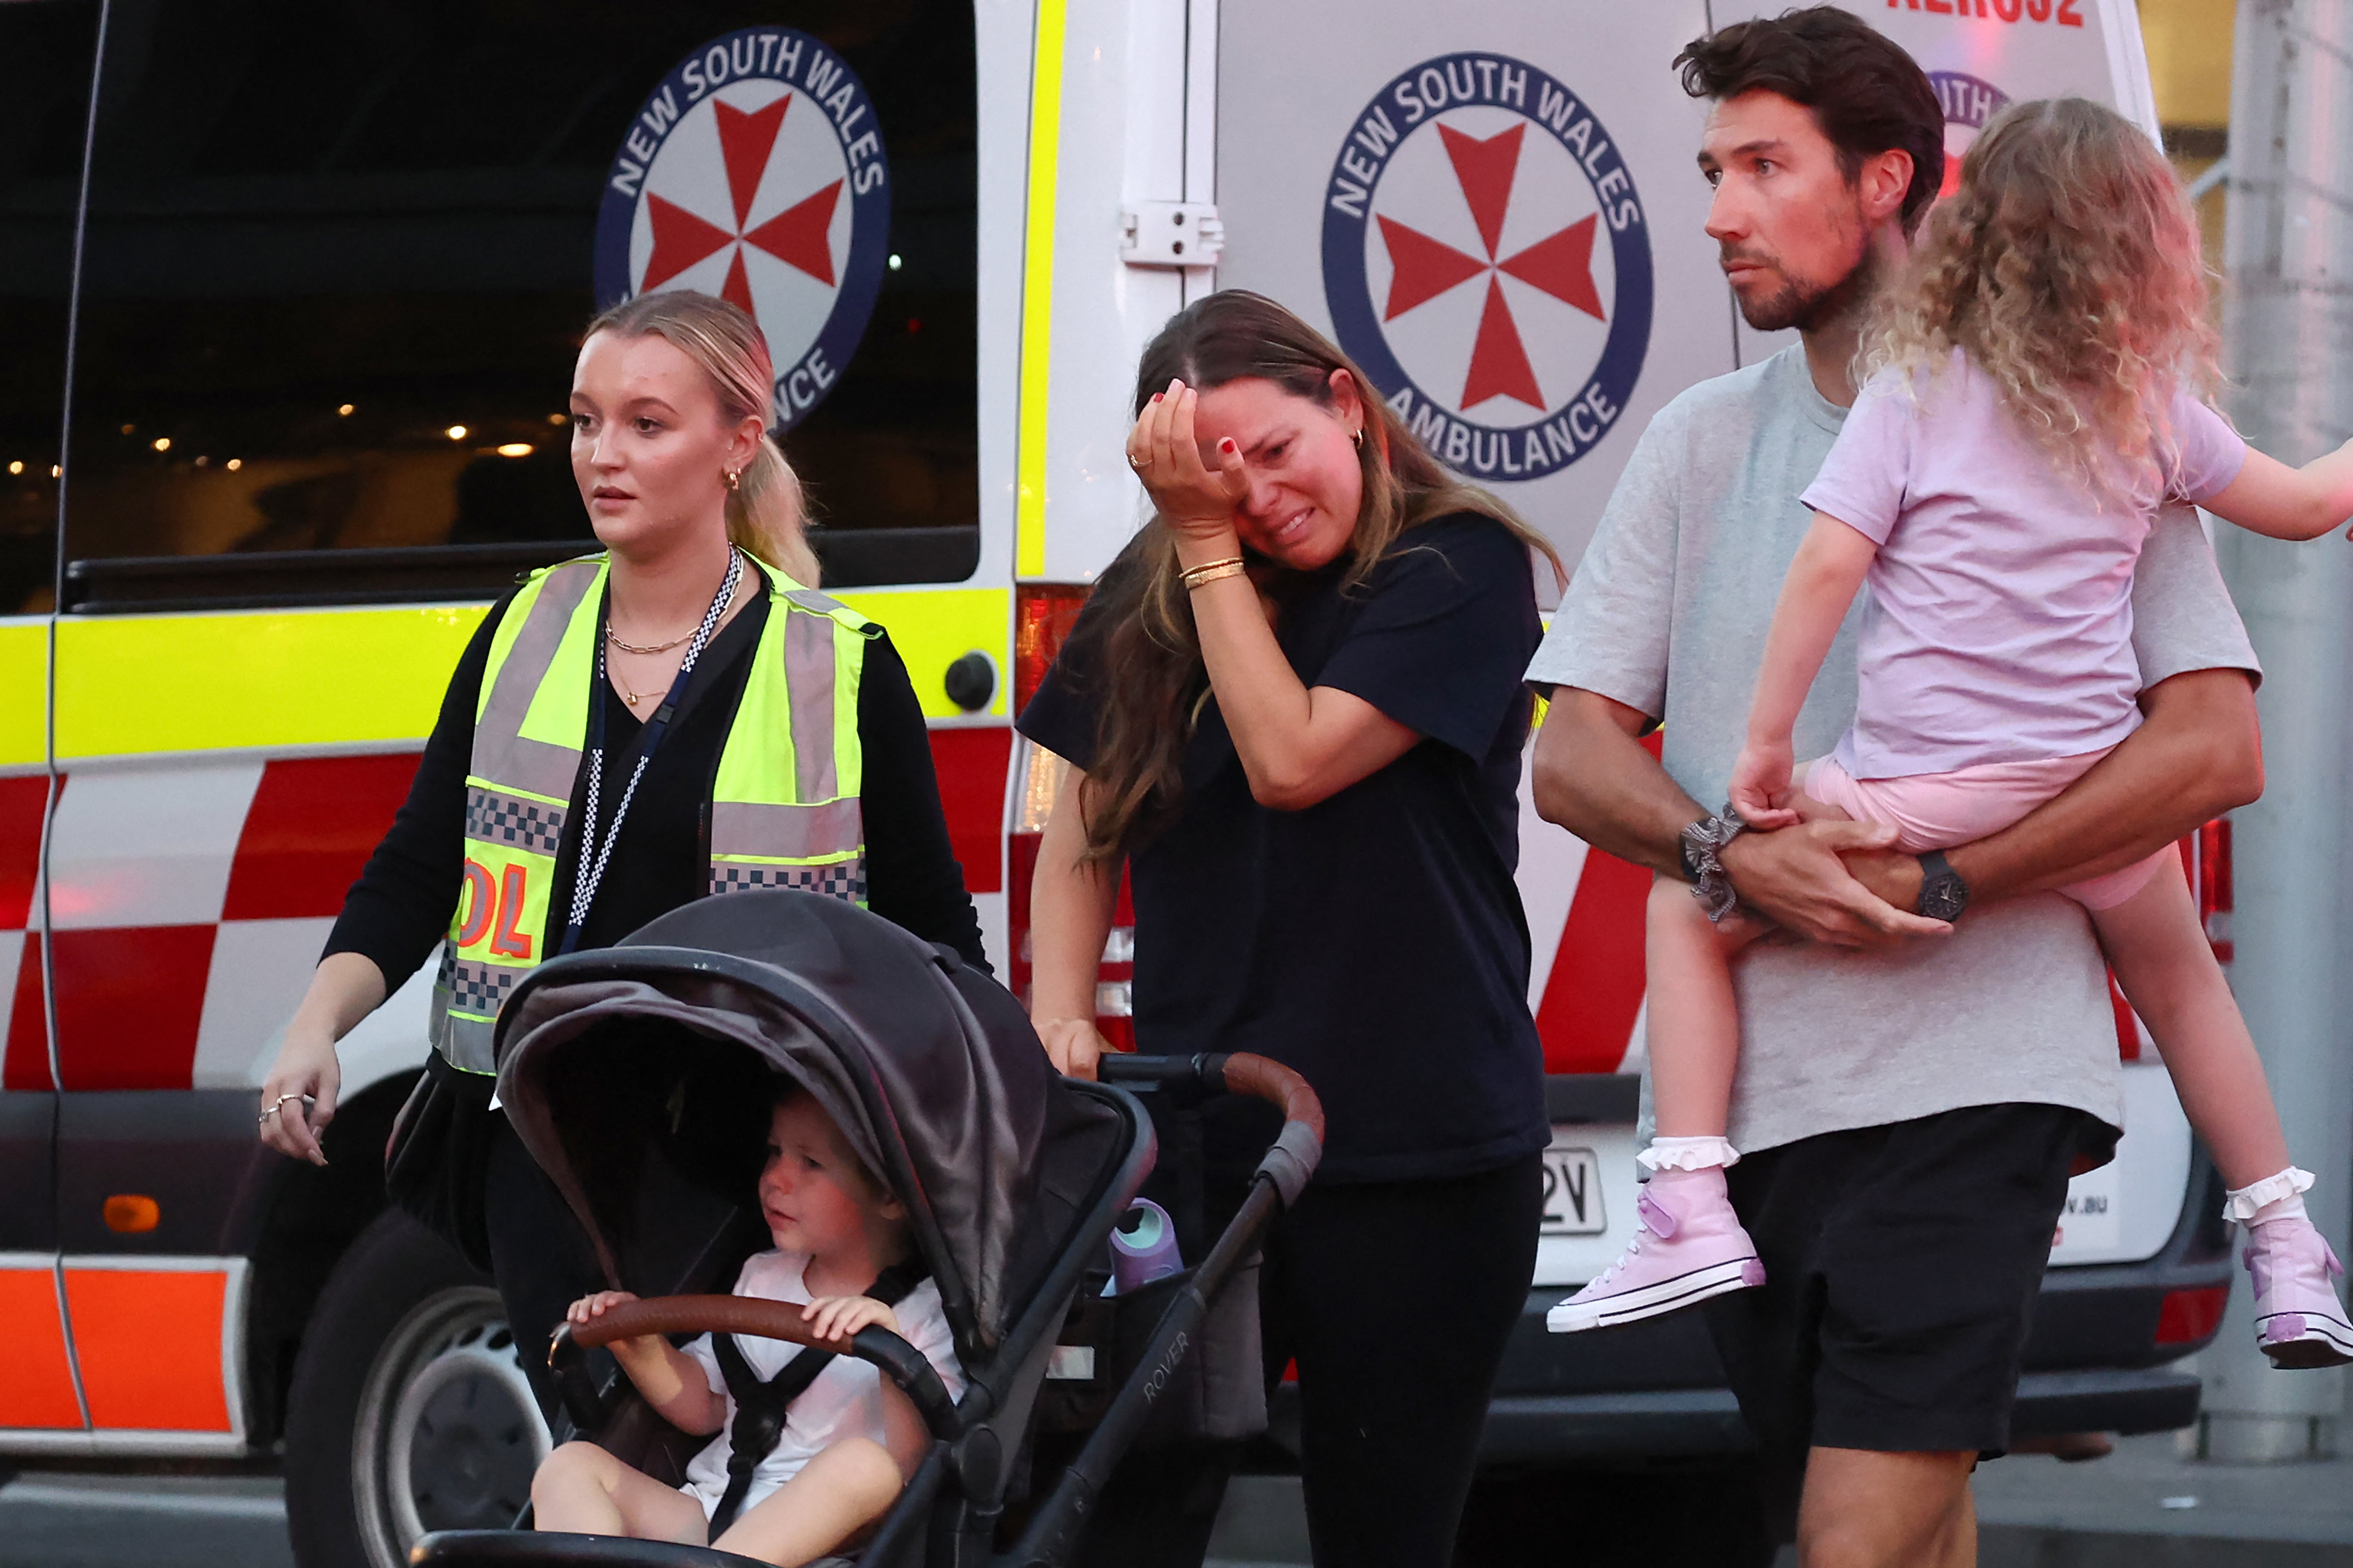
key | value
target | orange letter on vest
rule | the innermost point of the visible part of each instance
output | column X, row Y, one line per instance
column 507, row 941
column 480, row 900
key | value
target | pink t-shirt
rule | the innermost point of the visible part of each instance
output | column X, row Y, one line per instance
column 1998, row 627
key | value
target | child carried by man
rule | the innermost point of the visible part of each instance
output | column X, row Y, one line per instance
column 2037, row 391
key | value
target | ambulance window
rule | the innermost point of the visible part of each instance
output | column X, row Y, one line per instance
column 45, row 50
column 340, row 252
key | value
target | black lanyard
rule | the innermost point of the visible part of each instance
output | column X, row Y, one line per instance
column 588, row 872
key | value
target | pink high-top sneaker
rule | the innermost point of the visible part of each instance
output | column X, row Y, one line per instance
column 1689, row 1247
column 2299, row 1321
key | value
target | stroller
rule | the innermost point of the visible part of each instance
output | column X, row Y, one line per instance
column 638, row 1077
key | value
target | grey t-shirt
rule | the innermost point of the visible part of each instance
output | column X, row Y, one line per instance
column 1668, row 614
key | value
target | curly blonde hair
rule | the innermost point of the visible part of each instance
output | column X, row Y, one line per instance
column 2067, row 267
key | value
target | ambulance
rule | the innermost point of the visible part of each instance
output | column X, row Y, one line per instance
column 290, row 296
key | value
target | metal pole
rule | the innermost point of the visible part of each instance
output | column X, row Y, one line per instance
column 2288, row 252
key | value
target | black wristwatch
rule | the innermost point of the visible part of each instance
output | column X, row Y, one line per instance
column 1943, row 894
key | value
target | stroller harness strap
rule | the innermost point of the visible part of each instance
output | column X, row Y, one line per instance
column 760, row 1407
column 785, row 801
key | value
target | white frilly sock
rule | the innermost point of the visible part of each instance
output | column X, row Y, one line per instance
column 1692, row 1154
column 2274, row 1197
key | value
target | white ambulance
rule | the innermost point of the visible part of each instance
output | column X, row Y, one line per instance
column 289, row 295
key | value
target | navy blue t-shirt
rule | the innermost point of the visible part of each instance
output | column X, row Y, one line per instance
column 1373, row 941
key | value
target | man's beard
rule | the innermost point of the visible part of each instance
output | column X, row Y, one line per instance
column 1806, row 306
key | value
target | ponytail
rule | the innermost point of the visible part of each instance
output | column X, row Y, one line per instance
column 768, row 517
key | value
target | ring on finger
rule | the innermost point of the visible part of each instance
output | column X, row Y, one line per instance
column 267, row 1114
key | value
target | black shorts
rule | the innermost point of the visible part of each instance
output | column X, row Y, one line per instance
column 1902, row 1265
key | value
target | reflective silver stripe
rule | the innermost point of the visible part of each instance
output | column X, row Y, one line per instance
column 528, row 764
column 811, row 600
column 464, row 1043
column 500, row 751
column 808, row 682
column 784, row 832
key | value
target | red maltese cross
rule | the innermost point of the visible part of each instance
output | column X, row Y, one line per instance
column 1423, row 269
column 795, row 236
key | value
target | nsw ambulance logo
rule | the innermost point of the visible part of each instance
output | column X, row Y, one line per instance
column 756, row 171
column 1969, row 102
column 1487, row 261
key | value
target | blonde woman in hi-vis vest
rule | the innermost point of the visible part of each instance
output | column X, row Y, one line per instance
column 626, row 732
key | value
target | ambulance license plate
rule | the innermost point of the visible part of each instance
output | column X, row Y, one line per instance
column 1572, row 1194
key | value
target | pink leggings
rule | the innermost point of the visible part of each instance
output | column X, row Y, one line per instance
column 1936, row 811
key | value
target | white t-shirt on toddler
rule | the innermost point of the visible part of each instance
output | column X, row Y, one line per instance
column 846, row 1400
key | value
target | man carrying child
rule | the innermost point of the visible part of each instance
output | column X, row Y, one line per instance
column 1907, row 1110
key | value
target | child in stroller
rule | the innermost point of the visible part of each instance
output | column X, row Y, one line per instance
column 640, row 1077
column 851, row 1440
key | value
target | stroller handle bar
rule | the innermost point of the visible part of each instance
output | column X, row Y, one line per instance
column 901, row 1362
column 1293, row 1158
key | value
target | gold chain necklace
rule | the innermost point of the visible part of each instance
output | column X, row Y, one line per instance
column 631, row 647
column 613, row 637
column 634, row 697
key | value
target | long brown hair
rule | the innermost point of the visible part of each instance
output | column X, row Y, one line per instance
column 1147, row 669
column 2067, row 267
column 765, row 514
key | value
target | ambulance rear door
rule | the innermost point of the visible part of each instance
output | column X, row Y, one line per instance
column 1120, row 232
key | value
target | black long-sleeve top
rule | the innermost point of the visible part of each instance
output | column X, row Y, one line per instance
column 400, row 907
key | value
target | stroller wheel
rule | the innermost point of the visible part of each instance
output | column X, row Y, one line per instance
column 409, row 1412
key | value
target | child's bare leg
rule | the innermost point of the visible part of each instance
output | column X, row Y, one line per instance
column 1689, row 1244
column 1693, row 1029
column 847, row 1487
column 582, row 1489
column 1693, row 1026
column 2169, row 974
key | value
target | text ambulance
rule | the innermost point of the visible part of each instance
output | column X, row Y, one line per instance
column 290, row 296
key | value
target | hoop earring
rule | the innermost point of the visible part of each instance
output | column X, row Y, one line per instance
column 735, row 478
column 1358, row 438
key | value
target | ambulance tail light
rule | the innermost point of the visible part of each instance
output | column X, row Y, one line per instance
column 1038, row 776
column 2189, row 1318
column 2209, row 875
column 1043, row 614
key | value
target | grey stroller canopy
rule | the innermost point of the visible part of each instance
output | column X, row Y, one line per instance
column 638, row 1076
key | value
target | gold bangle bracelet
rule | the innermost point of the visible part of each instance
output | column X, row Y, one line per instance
column 1212, row 572
column 1189, row 573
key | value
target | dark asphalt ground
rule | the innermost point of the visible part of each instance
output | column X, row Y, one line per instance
column 2143, row 1507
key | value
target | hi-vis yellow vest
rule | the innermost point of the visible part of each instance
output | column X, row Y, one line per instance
column 784, row 806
